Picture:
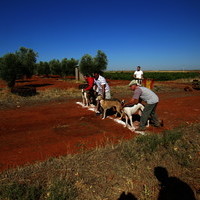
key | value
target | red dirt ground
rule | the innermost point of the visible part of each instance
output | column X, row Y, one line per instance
column 36, row 133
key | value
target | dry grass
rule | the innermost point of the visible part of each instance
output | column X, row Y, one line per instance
column 12, row 100
column 9, row 100
column 106, row 172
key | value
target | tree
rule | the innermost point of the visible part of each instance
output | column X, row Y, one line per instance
column 71, row 65
column 64, row 66
column 10, row 68
column 55, row 67
column 68, row 66
column 89, row 65
column 100, row 61
column 43, row 68
column 27, row 58
column 86, row 64
column 14, row 66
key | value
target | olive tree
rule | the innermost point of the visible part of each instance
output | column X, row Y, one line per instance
column 10, row 68
column 100, row 61
column 68, row 66
column 86, row 64
column 89, row 65
column 27, row 59
column 43, row 68
column 55, row 67
column 16, row 65
column 71, row 65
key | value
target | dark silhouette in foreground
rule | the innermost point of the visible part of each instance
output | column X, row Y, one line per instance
column 172, row 188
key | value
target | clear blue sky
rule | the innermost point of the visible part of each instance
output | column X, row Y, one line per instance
column 155, row 34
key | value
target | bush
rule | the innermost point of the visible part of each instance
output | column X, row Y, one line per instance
column 16, row 191
column 24, row 91
column 62, row 190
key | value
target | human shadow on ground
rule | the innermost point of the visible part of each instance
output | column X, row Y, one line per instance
column 38, row 85
column 128, row 196
column 24, row 81
column 172, row 188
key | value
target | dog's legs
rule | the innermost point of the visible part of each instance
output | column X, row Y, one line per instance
column 126, row 123
column 104, row 114
column 122, row 114
column 147, row 123
column 118, row 111
column 86, row 99
column 131, row 121
column 83, row 96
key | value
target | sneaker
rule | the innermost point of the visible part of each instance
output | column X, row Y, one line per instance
column 140, row 129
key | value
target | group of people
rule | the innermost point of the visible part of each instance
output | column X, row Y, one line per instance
column 99, row 84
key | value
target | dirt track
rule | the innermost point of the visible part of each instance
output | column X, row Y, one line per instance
column 35, row 133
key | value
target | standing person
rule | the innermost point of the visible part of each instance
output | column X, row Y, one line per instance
column 102, row 88
column 138, row 75
column 151, row 99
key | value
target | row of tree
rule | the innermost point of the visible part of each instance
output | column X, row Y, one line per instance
column 63, row 68
column 22, row 63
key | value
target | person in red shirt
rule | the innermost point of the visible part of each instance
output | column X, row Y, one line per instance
column 90, row 82
column 89, row 89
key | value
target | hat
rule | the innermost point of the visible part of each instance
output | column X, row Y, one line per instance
column 133, row 82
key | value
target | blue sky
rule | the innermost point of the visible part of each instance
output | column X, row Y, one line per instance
column 155, row 34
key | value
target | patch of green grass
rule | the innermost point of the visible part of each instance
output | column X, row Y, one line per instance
column 170, row 137
column 62, row 189
column 149, row 143
column 17, row 191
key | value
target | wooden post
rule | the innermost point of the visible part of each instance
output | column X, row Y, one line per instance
column 78, row 75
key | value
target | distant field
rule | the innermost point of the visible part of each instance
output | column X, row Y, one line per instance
column 155, row 75
column 171, row 71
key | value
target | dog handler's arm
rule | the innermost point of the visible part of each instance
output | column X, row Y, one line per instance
column 131, row 102
column 136, row 97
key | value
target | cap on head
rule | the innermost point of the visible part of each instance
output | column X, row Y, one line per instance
column 133, row 82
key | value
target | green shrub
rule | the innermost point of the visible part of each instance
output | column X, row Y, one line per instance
column 62, row 190
column 149, row 143
column 170, row 137
column 17, row 191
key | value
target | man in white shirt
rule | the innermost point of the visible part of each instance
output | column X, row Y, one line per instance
column 102, row 88
column 138, row 75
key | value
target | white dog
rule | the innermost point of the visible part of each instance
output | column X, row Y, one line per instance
column 85, row 97
column 129, row 111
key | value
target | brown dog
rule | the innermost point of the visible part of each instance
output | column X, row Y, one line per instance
column 109, row 103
